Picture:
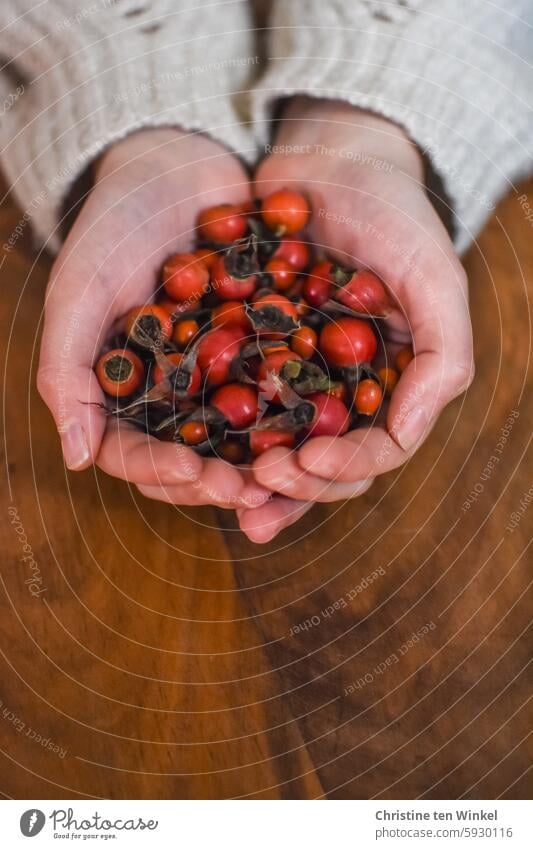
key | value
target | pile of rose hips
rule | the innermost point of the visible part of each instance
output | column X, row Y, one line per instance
column 257, row 342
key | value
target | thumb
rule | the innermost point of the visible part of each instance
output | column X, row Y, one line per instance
column 65, row 378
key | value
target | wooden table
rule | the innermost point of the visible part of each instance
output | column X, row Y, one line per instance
column 376, row 649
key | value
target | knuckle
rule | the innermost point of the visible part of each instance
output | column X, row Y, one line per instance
column 46, row 383
column 461, row 376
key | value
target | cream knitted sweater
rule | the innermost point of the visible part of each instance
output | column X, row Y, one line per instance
column 77, row 75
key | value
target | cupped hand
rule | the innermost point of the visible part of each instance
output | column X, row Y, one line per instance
column 148, row 191
column 364, row 179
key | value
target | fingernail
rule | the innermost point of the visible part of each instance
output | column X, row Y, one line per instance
column 74, row 444
column 412, row 428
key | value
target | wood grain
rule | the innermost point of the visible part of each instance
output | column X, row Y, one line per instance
column 165, row 656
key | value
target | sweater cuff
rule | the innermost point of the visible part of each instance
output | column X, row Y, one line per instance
column 448, row 76
column 103, row 77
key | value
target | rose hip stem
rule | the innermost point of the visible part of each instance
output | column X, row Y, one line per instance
column 336, row 306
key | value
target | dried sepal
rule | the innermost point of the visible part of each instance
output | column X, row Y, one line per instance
column 337, row 306
column 352, row 375
column 340, row 275
column 241, row 260
column 238, row 371
column 176, row 378
column 271, row 318
column 305, row 377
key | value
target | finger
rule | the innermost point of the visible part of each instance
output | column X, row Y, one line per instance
column 358, row 455
column 279, row 470
column 430, row 287
column 76, row 322
column 65, row 379
column 185, row 495
column 219, row 484
column 264, row 523
column 442, row 368
column 130, row 454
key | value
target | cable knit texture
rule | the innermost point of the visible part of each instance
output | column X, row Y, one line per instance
column 92, row 72
column 84, row 73
column 457, row 76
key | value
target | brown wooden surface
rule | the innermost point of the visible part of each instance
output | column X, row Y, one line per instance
column 160, row 654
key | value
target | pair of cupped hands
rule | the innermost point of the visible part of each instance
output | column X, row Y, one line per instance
column 365, row 182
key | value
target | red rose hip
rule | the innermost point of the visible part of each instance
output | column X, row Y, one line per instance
column 216, row 351
column 263, row 440
column 119, row 372
column 297, row 254
column 364, row 292
column 332, row 417
column 185, row 277
column 285, row 212
column 237, row 402
column 228, row 287
column 223, row 223
column 317, row 287
column 367, row 397
column 348, row 342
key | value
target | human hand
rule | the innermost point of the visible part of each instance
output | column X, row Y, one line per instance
column 364, row 179
column 148, row 191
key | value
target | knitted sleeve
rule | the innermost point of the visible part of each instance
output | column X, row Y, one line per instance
column 78, row 75
column 456, row 75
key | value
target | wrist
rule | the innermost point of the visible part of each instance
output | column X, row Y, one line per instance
column 139, row 143
column 311, row 123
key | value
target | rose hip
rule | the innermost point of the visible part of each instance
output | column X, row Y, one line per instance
column 185, row 277
column 232, row 451
column 348, row 342
column 216, row 351
column 304, row 342
column 296, row 254
column 403, row 358
column 272, row 364
column 367, row 397
column 193, row 433
column 223, row 223
column 184, row 332
column 263, row 440
column 175, row 358
column 364, row 292
column 227, row 286
column 149, row 324
column 332, row 417
column 231, row 313
column 318, row 286
column 207, row 256
column 120, row 372
column 389, row 378
column 237, row 402
column 285, row 212
column 282, row 274
column 280, row 302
